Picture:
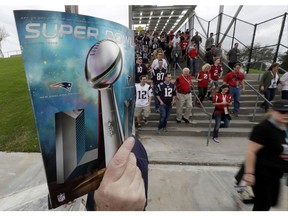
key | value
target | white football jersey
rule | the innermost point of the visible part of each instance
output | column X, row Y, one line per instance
column 142, row 95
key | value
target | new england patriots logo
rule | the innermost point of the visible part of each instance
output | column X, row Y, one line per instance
column 66, row 85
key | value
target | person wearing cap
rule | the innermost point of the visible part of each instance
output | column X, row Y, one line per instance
column 267, row 156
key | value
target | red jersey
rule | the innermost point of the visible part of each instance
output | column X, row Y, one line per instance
column 215, row 72
column 193, row 53
column 219, row 98
column 205, row 76
column 183, row 84
column 234, row 79
column 183, row 44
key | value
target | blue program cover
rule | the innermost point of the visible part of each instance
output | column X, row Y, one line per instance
column 79, row 71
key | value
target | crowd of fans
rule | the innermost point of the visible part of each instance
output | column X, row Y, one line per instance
column 157, row 55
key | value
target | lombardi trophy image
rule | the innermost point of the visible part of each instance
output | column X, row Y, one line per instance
column 103, row 67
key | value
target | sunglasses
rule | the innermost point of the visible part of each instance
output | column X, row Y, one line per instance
column 282, row 112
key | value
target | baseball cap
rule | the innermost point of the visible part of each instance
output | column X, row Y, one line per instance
column 281, row 105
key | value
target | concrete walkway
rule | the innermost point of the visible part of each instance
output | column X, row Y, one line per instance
column 184, row 174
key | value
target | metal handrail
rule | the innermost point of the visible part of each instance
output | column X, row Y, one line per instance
column 256, row 91
column 204, row 110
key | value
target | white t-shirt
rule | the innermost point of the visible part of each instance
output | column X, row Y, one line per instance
column 155, row 64
column 274, row 81
column 284, row 79
column 176, row 40
column 142, row 95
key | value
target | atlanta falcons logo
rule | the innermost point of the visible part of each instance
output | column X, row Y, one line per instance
column 66, row 85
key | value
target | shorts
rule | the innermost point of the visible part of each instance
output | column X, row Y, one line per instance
column 145, row 110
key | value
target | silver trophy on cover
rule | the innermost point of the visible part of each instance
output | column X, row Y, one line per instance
column 103, row 67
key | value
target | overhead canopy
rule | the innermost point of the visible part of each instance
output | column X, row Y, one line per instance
column 160, row 19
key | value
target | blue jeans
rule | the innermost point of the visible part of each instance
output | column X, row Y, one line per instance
column 192, row 66
column 175, row 61
column 218, row 118
column 269, row 94
column 202, row 91
column 164, row 115
column 235, row 94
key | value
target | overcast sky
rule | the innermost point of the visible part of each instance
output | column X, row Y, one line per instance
column 267, row 33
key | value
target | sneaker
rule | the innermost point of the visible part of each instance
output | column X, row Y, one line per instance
column 139, row 127
column 236, row 114
column 185, row 120
column 178, row 121
column 145, row 121
column 157, row 110
column 159, row 131
column 216, row 139
column 165, row 129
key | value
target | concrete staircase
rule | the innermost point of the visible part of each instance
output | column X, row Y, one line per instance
column 239, row 126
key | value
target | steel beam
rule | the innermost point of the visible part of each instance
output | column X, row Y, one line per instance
column 231, row 23
column 219, row 23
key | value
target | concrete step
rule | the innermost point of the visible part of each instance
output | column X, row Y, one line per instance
column 203, row 116
column 194, row 131
column 243, row 110
column 246, row 95
column 240, row 126
column 234, row 123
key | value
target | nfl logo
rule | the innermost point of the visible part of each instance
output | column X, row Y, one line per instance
column 61, row 197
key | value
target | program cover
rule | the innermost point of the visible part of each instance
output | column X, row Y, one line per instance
column 79, row 71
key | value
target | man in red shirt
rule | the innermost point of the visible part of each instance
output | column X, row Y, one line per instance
column 235, row 80
column 184, row 44
column 192, row 55
column 183, row 86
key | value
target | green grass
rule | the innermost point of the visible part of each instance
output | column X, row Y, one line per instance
column 255, row 71
column 17, row 130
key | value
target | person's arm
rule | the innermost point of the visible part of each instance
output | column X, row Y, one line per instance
column 198, row 78
column 159, row 99
column 263, row 78
column 173, row 100
column 149, row 95
column 250, row 162
column 243, row 85
column 221, row 73
column 122, row 187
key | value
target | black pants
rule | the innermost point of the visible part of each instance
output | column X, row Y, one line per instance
column 266, row 191
column 202, row 91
